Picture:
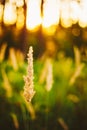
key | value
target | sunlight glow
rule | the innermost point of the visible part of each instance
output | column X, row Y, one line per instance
column 1, row 12
column 74, row 11
column 19, row 3
column 83, row 14
column 9, row 14
column 50, row 13
column 33, row 17
column 12, row 1
column 65, row 12
column 20, row 18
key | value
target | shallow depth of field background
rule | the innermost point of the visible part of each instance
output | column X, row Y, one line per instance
column 57, row 31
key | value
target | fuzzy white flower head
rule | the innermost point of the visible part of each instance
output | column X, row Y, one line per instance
column 28, row 88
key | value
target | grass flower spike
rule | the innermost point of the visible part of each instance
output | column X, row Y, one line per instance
column 29, row 85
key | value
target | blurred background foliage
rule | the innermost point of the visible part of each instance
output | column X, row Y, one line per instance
column 60, row 78
column 60, row 101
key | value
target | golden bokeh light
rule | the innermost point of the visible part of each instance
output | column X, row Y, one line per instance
column 10, row 15
column 1, row 12
column 50, row 18
column 20, row 18
column 49, row 30
column 33, row 17
column 50, row 13
column 19, row 3
column 74, row 11
column 83, row 14
column 65, row 14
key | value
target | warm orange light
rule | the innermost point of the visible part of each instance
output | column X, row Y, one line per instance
column 1, row 12
column 83, row 14
column 83, row 22
column 11, row 1
column 50, row 13
column 20, row 18
column 65, row 14
column 66, row 23
column 68, row 12
column 49, row 30
column 74, row 11
column 33, row 18
column 19, row 3
column 9, row 13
